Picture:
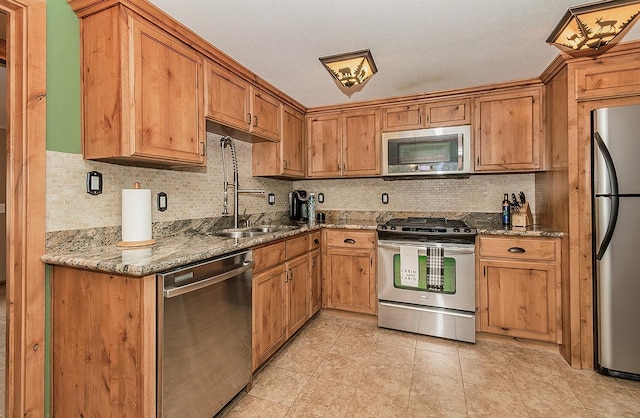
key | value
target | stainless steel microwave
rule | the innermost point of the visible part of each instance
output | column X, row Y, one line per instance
column 425, row 152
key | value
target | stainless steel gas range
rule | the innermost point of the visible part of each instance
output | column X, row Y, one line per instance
column 426, row 277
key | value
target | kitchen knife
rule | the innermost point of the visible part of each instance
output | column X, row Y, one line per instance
column 514, row 202
column 522, row 198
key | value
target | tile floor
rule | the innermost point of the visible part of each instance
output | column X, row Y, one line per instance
column 340, row 366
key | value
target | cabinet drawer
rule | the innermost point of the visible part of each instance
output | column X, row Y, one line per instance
column 268, row 256
column 296, row 246
column 518, row 248
column 314, row 240
column 346, row 238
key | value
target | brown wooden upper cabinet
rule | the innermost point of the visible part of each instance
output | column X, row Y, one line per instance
column 508, row 130
column 611, row 78
column 344, row 144
column 426, row 115
column 266, row 115
column 227, row 97
column 142, row 92
column 234, row 103
column 285, row 158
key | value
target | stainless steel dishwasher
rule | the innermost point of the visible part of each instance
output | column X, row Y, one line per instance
column 204, row 335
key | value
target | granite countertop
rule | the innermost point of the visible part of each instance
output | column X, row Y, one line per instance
column 493, row 226
column 169, row 252
column 194, row 244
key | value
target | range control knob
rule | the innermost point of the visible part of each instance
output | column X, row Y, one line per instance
column 383, row 227
column 393, row 227
column 467, row 230
column 456, row 229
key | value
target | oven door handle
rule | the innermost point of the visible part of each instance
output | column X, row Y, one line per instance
column 453, row 249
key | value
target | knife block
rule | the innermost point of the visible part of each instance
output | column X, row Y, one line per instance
column 522, row 216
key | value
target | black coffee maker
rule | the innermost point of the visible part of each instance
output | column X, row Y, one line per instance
column 298, row 210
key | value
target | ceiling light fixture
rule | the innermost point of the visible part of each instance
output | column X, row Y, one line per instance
column 595, row 27
column 351, row 69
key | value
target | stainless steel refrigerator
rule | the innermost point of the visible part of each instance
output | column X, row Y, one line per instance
column 616, row 246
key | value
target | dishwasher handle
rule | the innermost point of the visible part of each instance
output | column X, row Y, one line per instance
column 192, row 287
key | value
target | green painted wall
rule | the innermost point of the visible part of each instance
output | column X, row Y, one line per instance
column 63, row 78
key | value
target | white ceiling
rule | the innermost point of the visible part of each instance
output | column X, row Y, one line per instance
column 419, row 46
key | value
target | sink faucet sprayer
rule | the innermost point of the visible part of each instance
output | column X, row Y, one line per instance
column 227, row 141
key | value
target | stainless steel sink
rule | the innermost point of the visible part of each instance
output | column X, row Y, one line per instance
column 240, row 234
column 274, row 228
column 254, row 232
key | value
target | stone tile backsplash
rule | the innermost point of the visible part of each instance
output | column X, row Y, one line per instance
column 478, row 193
column 195, row 195
column 191, row 195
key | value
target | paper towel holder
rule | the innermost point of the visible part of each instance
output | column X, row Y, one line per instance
column 134, row 244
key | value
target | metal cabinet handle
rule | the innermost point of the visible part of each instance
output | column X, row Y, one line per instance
column 203, row 153
column 284, row 163
column 517, row 250
column 349, row 241
column 249, row 118
column 255, row 121
column 291, row 278
column 286, row 276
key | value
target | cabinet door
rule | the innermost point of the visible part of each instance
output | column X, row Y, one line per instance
column 269, row 326
column 448, row 113
column 518, row 299
column 227, row 97
column 402, row 118
column 103, row 327
column 315, row 266
column 298, row 292
column 265, row 115
column 292, row 142
column 284, row 158
column 361, row 143
column 325, row 146
column 351, row 282
column 611, row 77
column 168, row 102
column 508, row 131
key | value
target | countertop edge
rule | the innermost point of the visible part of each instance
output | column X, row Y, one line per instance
column 114, row 257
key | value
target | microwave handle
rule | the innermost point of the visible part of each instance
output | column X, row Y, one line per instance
column 460, row 150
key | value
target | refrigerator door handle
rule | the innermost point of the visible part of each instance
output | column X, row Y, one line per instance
column 615, row 200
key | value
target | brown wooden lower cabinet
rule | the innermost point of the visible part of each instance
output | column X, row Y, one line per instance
column 350, row 270
column 268, row 299
column 298, row 293
column 284, row 281
column 519, row 287
column 103, row 336
column 315, row 264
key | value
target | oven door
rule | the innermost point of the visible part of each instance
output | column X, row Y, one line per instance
column 459, row 276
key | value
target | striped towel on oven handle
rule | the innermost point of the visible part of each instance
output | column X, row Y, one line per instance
column 435, row 268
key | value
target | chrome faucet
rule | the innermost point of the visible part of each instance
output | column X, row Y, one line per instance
column 227, row 141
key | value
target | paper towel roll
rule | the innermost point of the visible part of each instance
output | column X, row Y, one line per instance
column 136, row 216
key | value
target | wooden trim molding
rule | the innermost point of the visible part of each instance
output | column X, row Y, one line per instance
column 26, row 137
